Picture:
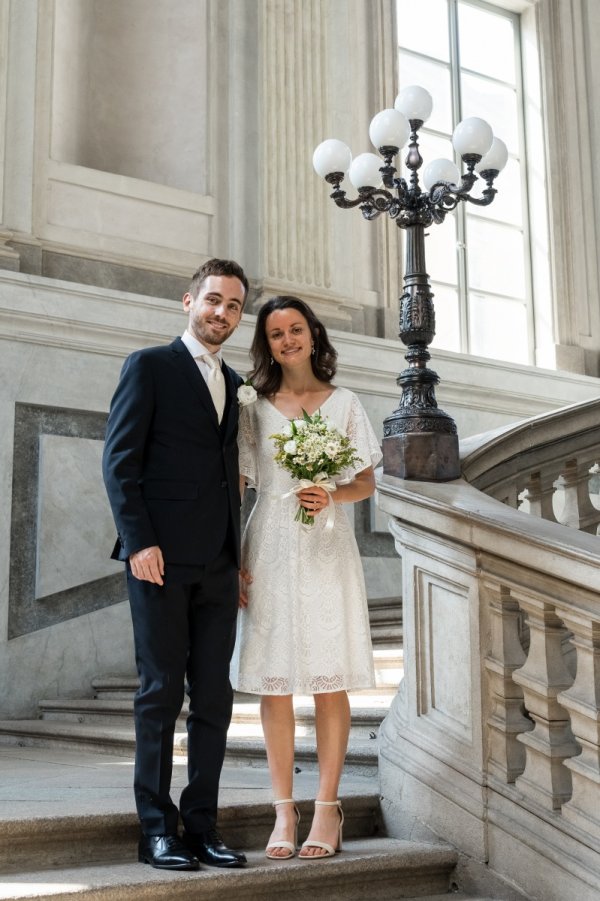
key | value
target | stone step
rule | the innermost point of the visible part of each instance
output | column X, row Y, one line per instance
column 101, row 738
column 385, row 618
column 361, row 758
column 87, row 710
column 115, row 687
column 388, row 663
column 365, row 722
column 68, row 841
column 105, row 723
column 377, row 869
column 245, row 720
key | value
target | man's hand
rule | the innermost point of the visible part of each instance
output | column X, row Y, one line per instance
column 245, row 580
column 148, row 564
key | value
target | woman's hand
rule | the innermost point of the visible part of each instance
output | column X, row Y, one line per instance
column 313, row 499
column 245, row 580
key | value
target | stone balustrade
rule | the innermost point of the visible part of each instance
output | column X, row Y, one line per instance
column 493, row 741
column 547, row 466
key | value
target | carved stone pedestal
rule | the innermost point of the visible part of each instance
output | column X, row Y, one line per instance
column 425, row 456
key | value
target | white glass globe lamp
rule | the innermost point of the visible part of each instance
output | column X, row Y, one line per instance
column 389, row 128
column 495, row 159
column 364, row 171
column 331, row 156
column 472, row 137
column 414, row 102
column 440, row 170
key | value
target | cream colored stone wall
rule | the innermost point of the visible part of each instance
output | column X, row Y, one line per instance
column 137, row 139
column 63, row 614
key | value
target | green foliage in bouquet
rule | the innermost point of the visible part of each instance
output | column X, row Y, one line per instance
column 311, row 449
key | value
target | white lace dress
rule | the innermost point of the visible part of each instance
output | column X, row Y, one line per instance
column 306, row 627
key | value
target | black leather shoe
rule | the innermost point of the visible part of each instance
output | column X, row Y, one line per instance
column 209, row 849
column 166, row 852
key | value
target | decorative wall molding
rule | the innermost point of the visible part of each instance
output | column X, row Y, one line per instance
column 26, row 612
column 43, row 311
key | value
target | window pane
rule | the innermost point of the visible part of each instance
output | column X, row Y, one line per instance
column 507, row 205
column 487, row 42
column 435, row 78
column 496, row 104
column 495, row 258
column 466, row 52
column 447, row 324
column 498, row 328
column 423, row 27
column 433, row 147
column 440, row 251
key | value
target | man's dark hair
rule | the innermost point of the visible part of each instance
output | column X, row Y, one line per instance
column 217, row 267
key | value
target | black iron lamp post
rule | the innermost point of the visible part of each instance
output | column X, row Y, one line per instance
column 420, row 440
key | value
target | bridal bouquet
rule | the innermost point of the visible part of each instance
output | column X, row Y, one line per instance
column 312, row 450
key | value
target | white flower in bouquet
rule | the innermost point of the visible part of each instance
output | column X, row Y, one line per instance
column 315, row 451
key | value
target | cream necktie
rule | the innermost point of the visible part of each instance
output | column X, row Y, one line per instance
column 216, row 383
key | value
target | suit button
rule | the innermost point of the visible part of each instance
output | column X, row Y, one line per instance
column 223, row 484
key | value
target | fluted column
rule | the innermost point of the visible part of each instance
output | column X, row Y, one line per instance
column 569, row 52
column 506, row 721
column 582, row 701
column 545, row 779
column 320, row 80
column 296, row 210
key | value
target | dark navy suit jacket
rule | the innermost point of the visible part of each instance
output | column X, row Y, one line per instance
column 171, row 471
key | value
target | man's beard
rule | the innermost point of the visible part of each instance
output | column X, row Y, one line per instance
column 203, row 332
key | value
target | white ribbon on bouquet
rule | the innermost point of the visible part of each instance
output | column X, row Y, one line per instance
column 322, row 480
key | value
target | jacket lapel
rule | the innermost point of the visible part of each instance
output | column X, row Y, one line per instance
column 230, row 416
column 186, row 363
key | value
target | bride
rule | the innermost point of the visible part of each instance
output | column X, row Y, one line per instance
column 304, row 624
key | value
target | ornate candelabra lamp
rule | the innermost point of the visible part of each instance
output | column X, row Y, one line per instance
column 420, row 440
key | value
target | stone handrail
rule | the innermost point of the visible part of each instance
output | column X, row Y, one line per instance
column 542, row 465
column 493, row 740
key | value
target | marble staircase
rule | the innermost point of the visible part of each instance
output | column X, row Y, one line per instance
column 87, row 850
column 105, row 721
column 84, row 847
column 94, row 857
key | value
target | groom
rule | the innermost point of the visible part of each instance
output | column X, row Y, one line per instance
column 170, row 467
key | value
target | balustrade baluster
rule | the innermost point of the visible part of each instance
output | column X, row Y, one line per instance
column 582, row 700
column 507, row 721
column 545, row 778
column 576, row 510
column 538, row 494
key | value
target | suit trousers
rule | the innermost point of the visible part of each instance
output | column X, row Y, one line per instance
column 183, row 630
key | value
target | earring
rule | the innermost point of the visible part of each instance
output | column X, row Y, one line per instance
column 272, row 361
column 313, row 350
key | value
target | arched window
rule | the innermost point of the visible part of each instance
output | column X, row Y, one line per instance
column 469, row 56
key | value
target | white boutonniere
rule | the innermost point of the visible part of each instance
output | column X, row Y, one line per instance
column 246, row 394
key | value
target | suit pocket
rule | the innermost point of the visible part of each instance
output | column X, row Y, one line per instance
column 170, row 490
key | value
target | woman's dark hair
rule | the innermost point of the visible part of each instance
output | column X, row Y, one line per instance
column 266, row 374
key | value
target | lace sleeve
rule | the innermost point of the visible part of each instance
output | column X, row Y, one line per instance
column 362, row 437
column 247, row 446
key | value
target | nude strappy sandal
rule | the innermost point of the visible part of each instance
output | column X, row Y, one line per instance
column 283, row 844
column 313, row 843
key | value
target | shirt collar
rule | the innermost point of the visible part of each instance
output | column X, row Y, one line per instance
column 197, row 348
